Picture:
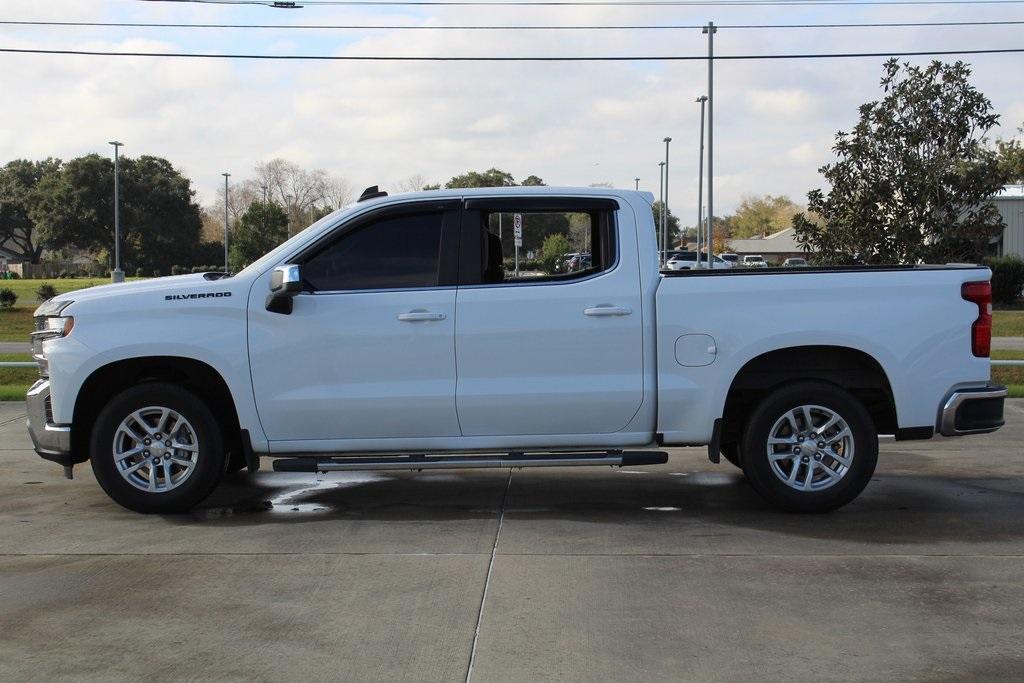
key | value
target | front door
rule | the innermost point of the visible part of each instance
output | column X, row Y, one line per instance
column 368, row 351
column 555, row 345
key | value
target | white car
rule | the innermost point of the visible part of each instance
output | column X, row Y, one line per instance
column 388, row 335
column 795, row 263
column 754, row 261
column 687, row 260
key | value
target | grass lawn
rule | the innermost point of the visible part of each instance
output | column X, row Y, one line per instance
column 1012, row 376
column 1008, row 323
column 15, row 324
column 14, row 382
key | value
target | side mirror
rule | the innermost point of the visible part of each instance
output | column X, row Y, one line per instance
column 285, row 283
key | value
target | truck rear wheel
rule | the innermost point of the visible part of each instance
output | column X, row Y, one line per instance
column 809, row 447
column 157, row 448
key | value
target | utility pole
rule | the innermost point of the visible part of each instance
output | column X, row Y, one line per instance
column 710, row 31
column 661, row 208
column 117, row 275
column 664, row 221
column 637, row 183
column 700, row 180
column 226, row 176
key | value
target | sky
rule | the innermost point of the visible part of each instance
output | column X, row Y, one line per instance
column 377, row 123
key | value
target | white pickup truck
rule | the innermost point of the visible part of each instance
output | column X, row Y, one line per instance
column 396, row 334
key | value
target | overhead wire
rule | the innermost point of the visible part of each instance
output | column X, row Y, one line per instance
column 514, row 58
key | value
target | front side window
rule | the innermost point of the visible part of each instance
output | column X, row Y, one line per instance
column 396, row 252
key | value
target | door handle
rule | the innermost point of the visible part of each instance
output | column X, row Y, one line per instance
column 414, row 316
column 606, row 310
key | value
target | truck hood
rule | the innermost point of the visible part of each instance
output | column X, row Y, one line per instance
column 172, row 284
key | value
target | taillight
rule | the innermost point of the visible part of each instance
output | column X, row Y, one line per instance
column 981, row 331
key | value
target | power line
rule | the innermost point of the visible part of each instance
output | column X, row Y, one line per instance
column 584, row 3
column 499, row 27
column 599, row 58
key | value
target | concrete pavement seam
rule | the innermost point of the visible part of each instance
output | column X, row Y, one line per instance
column 487, row 581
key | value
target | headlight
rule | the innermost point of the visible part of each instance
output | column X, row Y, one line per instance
column 49, row 325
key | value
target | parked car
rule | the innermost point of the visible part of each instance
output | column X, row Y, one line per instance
column 730, row 258
column 337, row 351
column 687, row 260
column 795, row 263
column 754, row 261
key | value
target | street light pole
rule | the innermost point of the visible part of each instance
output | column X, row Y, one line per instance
column 637, row 183
column 710, row 31
column 700, row 181
column 664, row 206
column 117, row 275
column 661, row 208
column 226, row 176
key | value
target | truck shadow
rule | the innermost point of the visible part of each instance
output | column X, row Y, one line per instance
column 896, row 508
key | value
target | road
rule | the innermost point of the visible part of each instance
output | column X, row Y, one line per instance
column 657, row 574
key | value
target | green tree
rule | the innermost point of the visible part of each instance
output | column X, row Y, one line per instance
column 160, row 221
column 912, row 178
column 1011, row 159
column 261, row 228
column 673, row 224
column 764, row 215
column 19, row 197
column 490, row 178
column 554, row 247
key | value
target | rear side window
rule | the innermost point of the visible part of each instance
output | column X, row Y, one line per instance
column 555, row 245
column 396, row 252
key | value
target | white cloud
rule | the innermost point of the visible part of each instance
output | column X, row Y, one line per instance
column 378, row 122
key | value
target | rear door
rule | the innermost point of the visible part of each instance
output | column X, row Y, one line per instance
column 540, row 350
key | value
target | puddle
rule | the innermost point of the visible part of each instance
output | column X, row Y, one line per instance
column 295, row 488
column 713, row 479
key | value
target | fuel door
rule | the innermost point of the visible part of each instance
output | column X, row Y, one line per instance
column 696, row 350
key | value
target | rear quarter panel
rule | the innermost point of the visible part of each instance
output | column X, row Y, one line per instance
column 914, row 323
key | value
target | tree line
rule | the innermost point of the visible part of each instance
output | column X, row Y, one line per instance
column 53, row 208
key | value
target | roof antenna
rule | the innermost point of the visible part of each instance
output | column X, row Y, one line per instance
column 372, row 192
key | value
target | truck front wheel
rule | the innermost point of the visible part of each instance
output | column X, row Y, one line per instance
column 157, row 448
column 809, row 447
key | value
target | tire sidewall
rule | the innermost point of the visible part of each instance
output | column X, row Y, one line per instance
column 755, row 459
column 209, row 461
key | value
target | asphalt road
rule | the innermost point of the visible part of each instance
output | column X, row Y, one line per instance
column 676, row 572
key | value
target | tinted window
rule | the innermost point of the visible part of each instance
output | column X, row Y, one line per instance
column 555, row 245
column 397, row 252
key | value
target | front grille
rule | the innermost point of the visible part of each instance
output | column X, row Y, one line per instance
column 49, row 410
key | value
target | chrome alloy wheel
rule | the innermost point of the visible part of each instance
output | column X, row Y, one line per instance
column 810, row 448
column 155, row 449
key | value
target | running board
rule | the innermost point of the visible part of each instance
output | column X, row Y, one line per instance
column 438, row 462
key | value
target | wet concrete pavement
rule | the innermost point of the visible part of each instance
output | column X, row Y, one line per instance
column 660, row 573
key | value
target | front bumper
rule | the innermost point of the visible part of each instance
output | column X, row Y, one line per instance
column 50, row 441
column 977, row 410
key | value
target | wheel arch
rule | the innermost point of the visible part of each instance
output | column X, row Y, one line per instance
column 852, row 369
column 111, row 379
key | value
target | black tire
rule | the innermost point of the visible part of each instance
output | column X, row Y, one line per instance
column 731, row 452
column 209, row 460
column 759, row 471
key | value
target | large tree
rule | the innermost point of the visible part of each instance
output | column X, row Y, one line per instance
column 1011, row 158
column 19, row 197
column 674, row 233
column 912, row 178
column 261, row 228
column 759, row 216
column 160, row 221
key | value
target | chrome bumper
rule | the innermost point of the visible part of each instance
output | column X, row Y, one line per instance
column 50, row 441
column 972, row 411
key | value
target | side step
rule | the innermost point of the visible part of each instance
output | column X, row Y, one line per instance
column 438, row 462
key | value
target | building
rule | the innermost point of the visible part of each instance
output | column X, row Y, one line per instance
column 1010, row 203
column 775, row 248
